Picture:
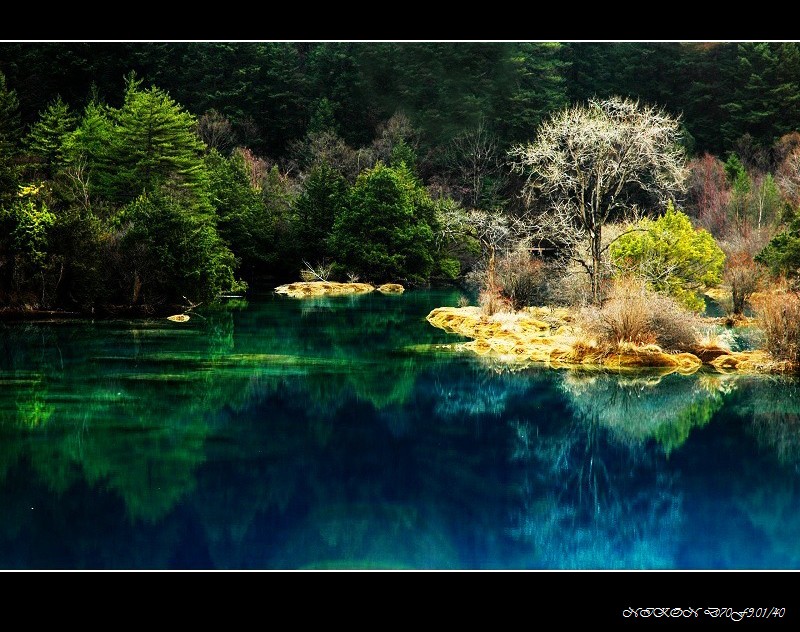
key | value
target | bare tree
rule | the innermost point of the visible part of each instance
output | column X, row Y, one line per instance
column 789, row 176
column 256, row 168
column 593, row 163
column 742, row 273
column 476, row 161
column 709, row 194
column 77, row 176
column 216, row 131
column 398, row 128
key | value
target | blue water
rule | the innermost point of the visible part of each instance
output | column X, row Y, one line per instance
column 334, row 433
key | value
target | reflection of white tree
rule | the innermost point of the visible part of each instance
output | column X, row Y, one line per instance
column 664, row 408
column 589, row 495
column 485, row 393
column 596, row 494
column 591, row 501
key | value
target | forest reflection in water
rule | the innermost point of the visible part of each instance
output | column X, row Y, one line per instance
column 332, row 433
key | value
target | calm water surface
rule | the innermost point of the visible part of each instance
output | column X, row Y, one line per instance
column 328, row 433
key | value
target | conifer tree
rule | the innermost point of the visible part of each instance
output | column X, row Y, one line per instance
column 47, row 136
column 155, row 143
column 9, row 136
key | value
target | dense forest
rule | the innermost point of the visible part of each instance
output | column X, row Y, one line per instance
column 156, row 176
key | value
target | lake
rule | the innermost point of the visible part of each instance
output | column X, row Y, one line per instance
column 333, row 433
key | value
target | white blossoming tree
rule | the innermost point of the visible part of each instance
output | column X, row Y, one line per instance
column 595, row 163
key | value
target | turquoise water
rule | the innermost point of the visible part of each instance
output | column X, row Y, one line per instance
column 332, row 433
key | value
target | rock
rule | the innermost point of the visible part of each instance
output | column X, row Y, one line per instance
column 550, row 336
column 756, row 361
column 305, row 289
column 391, row 288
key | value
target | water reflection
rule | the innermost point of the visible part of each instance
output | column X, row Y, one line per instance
column 637, row 408
column 327, row 434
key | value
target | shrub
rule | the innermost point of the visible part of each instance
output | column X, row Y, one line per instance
column 634, row 314
column 672, row 256
column 779, row 319
column 492, row 301
column 521, row 279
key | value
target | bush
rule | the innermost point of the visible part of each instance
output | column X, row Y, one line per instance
column 779, row 319
column 491, row 301
column 518, row 282
column 520, row 279
column 672, row 256
column 634, row 314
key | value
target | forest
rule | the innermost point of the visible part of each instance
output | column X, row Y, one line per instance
column 147, row 178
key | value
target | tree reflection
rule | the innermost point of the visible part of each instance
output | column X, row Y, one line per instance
column 664, row 408
column 773, row 406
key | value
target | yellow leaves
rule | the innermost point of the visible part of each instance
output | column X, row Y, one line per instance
column 30, row 190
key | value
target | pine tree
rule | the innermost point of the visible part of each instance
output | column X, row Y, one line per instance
column 316, row 209
column 9, row 136
column 155, row 143
column 47, row 136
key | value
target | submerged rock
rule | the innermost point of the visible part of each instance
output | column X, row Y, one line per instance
column 391, row 288
column 303, row 289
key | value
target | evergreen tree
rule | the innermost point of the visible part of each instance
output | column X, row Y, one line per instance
column 765, row 100
column 155, row 143
column 323, row 198
column 385, row 231
column 90, row 146
column 243, row 220
column 48, row 135
column 9, row 137
column 173, row 253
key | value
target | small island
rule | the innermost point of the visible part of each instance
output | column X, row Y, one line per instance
column 307, row 289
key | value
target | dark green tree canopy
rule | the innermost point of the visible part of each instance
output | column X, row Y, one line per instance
column 384, row 232
column 47, row 136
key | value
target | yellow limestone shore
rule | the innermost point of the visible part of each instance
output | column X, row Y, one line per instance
column 303, row 289
column 306, row 289
column 551, row 336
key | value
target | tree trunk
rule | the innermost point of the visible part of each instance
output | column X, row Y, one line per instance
column 490, row 271
column 596, row 272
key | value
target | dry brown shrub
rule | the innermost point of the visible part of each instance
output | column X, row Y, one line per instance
column 779, row 319
column 634, row 314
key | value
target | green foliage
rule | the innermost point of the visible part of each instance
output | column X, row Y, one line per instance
column 9, row 136
column 25, row 242
column 174, row 253
column 323, row 198
column 28, row 223
column 154, row 143
column 450, row 268
column 243, row 220
column 47, row 136
column 735, row 171
column 79, row 241
column 322, row 117
column 782, row 254
column 762, row 100
column 385, row 231
column 403, row 153
column 672, row 256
